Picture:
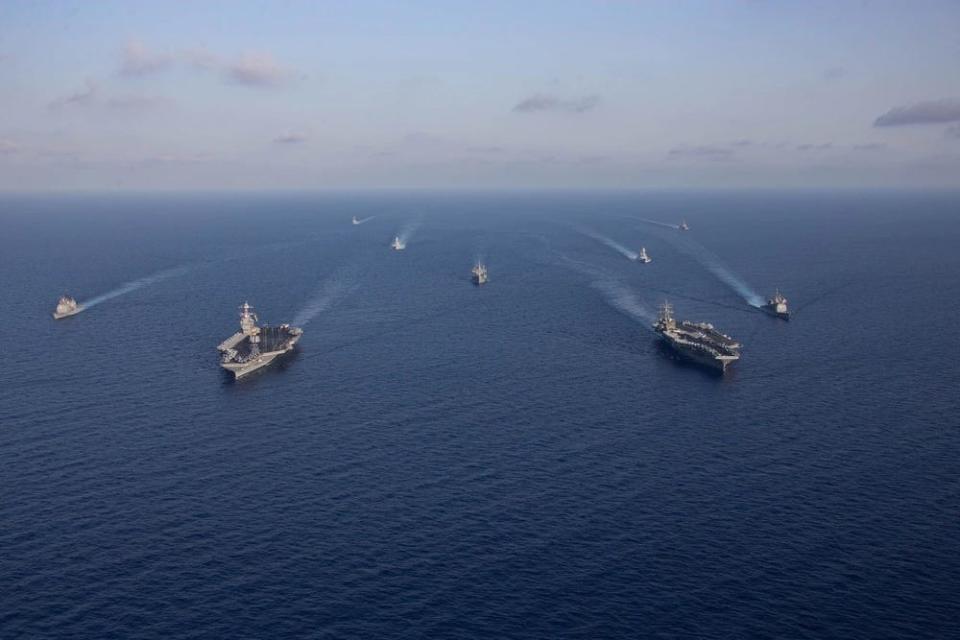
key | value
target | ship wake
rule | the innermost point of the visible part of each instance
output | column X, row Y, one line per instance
column 407, row 232
column 614, row 292
column 332, row 290
column 660, row 224
column 133, row 285
column 722, row 272
column 362, row 220
column 613, row 244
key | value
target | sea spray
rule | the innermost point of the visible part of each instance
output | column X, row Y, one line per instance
column 335, row 287
column 613, row 244
column 723, row 273
column 362, row 220
column 133, row 285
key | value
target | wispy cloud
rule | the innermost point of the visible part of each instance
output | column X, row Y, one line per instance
column 137, row 60
column 290, row 138
column 8, row 147
column 930, row 112
column 543, row 102
column 78, row 98
column 953, row 132
column 252, row 70
column 870, row 146
column 823, row 146
column 702, row 152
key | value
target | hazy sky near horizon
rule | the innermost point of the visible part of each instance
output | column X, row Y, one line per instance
column 543, row 93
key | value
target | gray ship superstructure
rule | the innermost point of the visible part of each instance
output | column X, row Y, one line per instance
column 479, row 274
column 777, row 306
column 66, row 306
column 697, row 342
column 253, row 346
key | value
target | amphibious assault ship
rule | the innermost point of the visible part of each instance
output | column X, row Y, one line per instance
column 253, row 347
column 697, row 342
column 643, row 257
column 479, row 274
column 777, row 306
column 66, row 306
column 398, row 244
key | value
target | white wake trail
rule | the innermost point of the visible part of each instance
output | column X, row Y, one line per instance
column 333, row 289
column 362, row 220
column 716, row 266
column 133, row 285
column 613, row 244
column 659, row 224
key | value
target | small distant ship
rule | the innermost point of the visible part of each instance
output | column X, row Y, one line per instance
column 697, row 342
column 66, row 306
column 355, row 221
column 398, row 244
column 254, row 347
column 643, row 257
column 479, row 274
column 777, row 306
column 684, row 226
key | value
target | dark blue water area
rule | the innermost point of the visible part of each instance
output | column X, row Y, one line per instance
column 519, row 460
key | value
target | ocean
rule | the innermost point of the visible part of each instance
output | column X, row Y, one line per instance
column 518, row 460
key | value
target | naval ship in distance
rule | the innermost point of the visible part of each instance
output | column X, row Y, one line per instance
column 777, row 306
column 642, row 257
column 66, row 306
column 254, row 347
column 398, row 244
column 479, row 274
column 697, row 342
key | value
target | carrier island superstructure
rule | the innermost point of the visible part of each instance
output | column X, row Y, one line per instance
column 697, row 342
column 253, row 346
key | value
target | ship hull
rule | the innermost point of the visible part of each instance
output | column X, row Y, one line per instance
column 61, row 316
column 783, row 315
column 696, row 357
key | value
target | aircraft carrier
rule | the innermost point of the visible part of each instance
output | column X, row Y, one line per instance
column 253, row 346
column 697, row 342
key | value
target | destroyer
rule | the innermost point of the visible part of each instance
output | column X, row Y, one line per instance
column 643, row 257
column 777, row 306
column 684, row 226
column 398, row 244
column 479, row 274
column 66, row 306
column 253, row 347
column 697, row 342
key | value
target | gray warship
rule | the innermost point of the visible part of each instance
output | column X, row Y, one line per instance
column 479, row 274
column 66, row 306
column 697, row 342
column 777, row 306
column 254, row 347
column 642, row 257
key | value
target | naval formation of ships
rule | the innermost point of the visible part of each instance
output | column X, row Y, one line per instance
column 254, row 346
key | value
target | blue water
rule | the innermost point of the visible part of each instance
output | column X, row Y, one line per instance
column 514, row 461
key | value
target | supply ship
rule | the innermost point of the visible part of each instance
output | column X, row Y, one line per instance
column 254, row 347
column 479, row 274
column 777, row 306
column 643, row 257
column 697, row 342
column 66, row 306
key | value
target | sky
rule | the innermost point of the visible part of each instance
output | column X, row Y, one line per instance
column 144, row 95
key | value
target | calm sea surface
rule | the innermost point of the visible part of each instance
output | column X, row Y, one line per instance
column 519, row 460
